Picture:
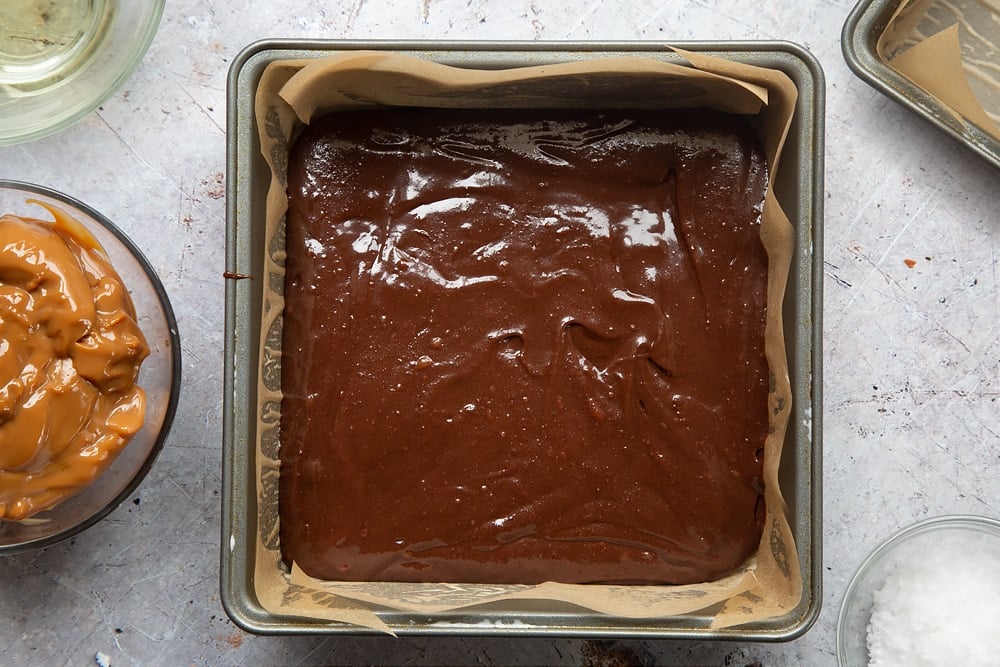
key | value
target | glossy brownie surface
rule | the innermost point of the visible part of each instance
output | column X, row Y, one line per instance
column 523, row 346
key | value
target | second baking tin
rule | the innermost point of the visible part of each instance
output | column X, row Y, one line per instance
column 799, row 189
column 859, row 38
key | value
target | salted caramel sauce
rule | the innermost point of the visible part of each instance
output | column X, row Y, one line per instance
column 70, row 351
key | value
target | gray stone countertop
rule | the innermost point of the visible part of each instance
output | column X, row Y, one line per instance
column 911, row 334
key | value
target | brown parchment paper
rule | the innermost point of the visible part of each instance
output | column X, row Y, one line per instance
column 950, row 49
column 290, row 93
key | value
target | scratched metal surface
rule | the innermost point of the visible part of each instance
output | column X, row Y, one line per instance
column 912, row 351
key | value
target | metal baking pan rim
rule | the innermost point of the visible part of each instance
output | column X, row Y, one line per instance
column 238, row 598
column 860, row 33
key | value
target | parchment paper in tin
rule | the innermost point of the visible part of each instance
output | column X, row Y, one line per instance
column 951, row 49
column 291, row 93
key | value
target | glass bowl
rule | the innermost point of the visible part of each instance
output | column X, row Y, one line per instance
column 159, row 376
column 911, row 551
column 60, row 60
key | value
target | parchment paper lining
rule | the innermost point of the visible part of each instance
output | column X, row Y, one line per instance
column 952, row 51
column 292, row 92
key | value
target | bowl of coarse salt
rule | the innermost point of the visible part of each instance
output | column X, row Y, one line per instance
column 930, row 595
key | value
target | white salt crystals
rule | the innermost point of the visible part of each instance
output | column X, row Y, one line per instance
column 941, row 606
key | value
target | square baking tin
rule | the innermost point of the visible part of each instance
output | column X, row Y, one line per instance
column 799, row 188
column 859, row 39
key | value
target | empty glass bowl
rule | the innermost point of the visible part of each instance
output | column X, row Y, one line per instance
column 159, row 376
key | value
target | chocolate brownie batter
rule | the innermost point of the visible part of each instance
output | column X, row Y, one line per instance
column 523, row 346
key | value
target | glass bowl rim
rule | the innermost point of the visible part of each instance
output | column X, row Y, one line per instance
column 900, row 536
column 175, row 367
